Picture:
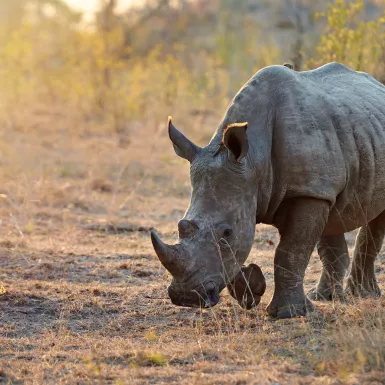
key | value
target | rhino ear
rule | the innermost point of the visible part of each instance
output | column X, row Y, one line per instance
column 183, row 147
column 235, row 139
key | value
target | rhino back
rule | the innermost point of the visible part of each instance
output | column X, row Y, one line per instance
column 319, row 134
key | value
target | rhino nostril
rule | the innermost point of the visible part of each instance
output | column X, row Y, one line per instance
column 212, row 295
column 212, row 298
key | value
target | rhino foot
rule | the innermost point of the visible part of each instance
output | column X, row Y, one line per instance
column 322, row 293
column 289, row 307
column 367, row 288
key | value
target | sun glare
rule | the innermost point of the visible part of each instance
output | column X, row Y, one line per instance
column 89, row 6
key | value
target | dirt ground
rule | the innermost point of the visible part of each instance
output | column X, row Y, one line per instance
column 83, row 297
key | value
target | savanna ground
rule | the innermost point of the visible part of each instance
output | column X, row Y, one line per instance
column 86, row 169
column 79, row 305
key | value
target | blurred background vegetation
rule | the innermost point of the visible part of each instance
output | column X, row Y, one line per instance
column 168, row 56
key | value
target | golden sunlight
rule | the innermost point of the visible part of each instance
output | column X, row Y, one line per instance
column 89, row 6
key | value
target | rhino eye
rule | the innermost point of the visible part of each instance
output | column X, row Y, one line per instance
column 227, row 233
column 224, row 233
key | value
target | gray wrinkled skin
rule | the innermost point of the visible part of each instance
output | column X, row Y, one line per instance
column 314, row 168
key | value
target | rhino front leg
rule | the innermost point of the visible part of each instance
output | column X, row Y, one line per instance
column 334, row 256
column 362, row 279
column 300, row 224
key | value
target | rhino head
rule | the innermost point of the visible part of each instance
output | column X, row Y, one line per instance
column 217, row 231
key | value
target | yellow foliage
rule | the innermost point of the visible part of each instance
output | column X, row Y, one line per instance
column 350, row 40
column 361, row 358
column 2, row 289
column 157, row 358
column 320, row 368
column 146, row 358
column 101, row 75
column 92, row 365
column 98, row 75
column 29, row 227
column 151, row 336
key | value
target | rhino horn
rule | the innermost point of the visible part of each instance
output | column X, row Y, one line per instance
column 166, row 254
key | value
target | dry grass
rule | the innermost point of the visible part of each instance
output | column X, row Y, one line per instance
column 81, row 307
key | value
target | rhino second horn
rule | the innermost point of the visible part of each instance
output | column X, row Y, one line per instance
column 186, row 228
column 165, row 253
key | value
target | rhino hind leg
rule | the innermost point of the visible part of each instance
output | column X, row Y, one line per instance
column 362, row 279
column 334, row 256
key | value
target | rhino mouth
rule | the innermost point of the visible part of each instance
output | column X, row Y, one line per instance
column 204, row 297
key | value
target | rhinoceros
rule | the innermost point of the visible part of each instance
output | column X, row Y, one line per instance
column 304, row 152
